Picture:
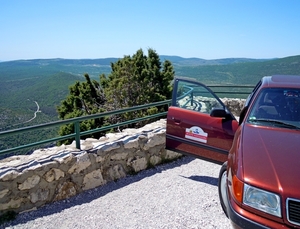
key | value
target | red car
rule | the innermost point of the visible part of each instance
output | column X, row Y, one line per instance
column 259, row 181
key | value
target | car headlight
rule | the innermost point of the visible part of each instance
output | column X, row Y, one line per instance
column 262, row 200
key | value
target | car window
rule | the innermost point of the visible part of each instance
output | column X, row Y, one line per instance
column 196, row 97
column 281, row 104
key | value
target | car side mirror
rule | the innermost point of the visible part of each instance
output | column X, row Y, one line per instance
column 218, row 113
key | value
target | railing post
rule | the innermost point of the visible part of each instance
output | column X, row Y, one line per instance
column 77, row 134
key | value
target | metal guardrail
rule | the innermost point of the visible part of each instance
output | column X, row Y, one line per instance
column 76, row 121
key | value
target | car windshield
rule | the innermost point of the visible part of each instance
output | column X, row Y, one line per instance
column 277, row 107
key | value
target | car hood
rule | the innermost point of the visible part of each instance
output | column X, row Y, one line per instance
column 271, row 158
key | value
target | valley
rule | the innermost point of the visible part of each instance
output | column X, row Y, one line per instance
column 30, row 90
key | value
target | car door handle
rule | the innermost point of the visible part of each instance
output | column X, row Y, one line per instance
column 177, row 121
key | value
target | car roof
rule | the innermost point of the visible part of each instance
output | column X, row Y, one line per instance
column 292, row 81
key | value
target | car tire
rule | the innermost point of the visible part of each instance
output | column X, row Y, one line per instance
column 222, row 188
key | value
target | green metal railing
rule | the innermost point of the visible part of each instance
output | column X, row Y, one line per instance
column 76, row 121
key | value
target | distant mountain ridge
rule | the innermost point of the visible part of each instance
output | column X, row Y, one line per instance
column 61, row 61
column 95, row 67
column 176, row 60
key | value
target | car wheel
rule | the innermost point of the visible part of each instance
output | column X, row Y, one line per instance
column 222, row 188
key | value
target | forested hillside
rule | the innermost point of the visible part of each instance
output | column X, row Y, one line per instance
column 26, row 83
column 44, row 81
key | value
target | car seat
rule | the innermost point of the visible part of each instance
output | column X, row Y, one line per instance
column 267, row 109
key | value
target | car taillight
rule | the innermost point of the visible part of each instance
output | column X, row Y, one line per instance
column 237, row 187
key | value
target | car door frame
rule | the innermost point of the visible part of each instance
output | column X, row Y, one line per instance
column 219, row 116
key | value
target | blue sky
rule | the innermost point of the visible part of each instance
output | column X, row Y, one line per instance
column 208, row 29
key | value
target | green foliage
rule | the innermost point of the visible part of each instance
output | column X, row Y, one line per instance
column 85, row 98
column 137, row 80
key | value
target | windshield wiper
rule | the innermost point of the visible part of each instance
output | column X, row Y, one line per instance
column 283, row 124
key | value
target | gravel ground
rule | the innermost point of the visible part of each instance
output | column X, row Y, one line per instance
column 180, row 194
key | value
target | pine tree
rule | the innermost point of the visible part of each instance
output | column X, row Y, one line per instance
column 134, row 80
column 85, row 98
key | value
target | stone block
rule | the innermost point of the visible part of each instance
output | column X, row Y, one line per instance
column 116, row 172
column 64, row 158
column 108, row 147
column 53, row 174
column 39, row 195
column 155, row 139
column 131, row 142
column 65, row 190
column 93, row 180
column 12, row 204
column 3, row 193
column 155, row 160
column 119, row 156
column 9, row 175
column 29, row 183
column 83, row 161
column 138, row 163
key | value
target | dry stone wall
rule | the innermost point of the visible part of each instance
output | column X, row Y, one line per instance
column 52, row 174
column 234, row 105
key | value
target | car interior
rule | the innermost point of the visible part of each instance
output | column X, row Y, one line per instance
column 278, row 104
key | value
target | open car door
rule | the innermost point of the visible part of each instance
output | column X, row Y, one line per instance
column 198, row 123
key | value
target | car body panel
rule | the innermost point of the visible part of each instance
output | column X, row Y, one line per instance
column 269, row 158
column 256, row 166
